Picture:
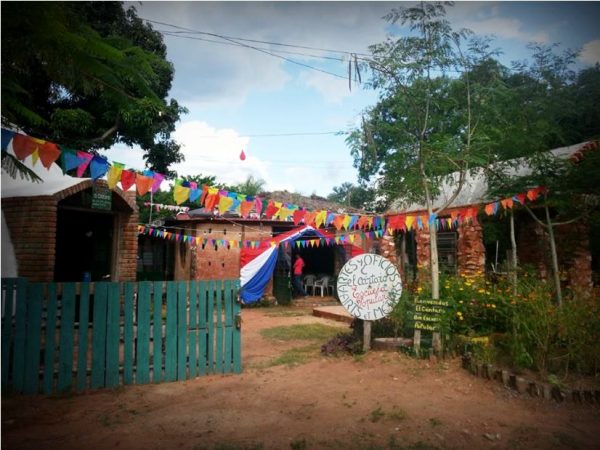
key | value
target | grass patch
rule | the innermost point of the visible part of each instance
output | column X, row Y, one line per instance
column 295, row 356
column 309, row 332
column 287, row 313
column 376, row 415
column 397, row 414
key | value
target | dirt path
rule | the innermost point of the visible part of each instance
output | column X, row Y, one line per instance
column 383, row 400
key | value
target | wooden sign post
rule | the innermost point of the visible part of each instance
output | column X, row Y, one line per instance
column 427, row 317
column 368, row 287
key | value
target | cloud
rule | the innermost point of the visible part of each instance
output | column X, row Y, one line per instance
column 508, row 29
column 211, row 151
column 208, row 73
column 590, row 53
column 333, row 90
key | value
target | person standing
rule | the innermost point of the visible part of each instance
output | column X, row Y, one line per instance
column 297, row 280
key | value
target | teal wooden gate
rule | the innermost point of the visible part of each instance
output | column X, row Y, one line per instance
column 58, row 337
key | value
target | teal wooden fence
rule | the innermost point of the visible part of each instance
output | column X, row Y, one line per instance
column 59, row 337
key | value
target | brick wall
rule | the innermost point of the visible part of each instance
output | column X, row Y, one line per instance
column 32, row 222
column 32, row 225
column 127, row 247
column 222, row 263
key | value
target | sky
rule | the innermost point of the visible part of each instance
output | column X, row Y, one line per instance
column 239, row 98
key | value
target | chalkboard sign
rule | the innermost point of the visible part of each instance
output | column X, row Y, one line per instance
column 428, row 314
column 101, row 197
column 369, row 286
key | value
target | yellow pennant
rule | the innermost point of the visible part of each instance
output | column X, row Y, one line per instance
column 35, row 156
column 181, row 194
column 409, row 222
column 114, row 175
column 321, row 218
column 224, row 204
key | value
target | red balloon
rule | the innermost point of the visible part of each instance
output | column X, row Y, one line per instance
column 242, row 155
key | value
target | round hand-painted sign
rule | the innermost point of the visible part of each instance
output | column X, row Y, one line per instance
column 369, row 286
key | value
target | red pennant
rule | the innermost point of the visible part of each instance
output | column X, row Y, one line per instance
column 271, row 209
column 49, row 153
column 127, row 179
column 23, row 146
column 309, row 217
column 299, row 214
column 242, row 155
column 520, row 198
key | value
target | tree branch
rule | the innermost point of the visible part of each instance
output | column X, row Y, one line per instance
column 107, row 133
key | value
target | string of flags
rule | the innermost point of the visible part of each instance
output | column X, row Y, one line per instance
column 160, row 206
column 199, row 241
column 221, row 201
column 80, row 162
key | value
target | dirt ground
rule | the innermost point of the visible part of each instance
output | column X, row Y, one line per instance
column 382, row 400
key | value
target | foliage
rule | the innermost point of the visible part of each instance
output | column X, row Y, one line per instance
column 88, row 75
column 251, row 186
column 355, row 196
column 524, row 331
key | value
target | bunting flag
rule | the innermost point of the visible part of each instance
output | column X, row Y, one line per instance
column 181, row 193
column 48, row 153
column 114, row 174
column 85, row 159
column 98, row 167
column 160, row 206
column 213, row 199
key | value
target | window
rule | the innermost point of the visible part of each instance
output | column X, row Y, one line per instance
column 446, row 241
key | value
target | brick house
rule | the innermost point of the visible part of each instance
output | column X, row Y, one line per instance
column 69, row 229
column 218, row 262
column 484, row 244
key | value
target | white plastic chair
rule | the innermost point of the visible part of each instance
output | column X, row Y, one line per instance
column 309, row 283
column 322, row 285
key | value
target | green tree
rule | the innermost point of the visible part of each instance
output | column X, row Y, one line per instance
column 251, row 186
column 427, row 123
column 355, row 196
column 88, row 75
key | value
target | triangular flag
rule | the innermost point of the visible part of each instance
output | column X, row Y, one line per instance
column 489, row 209
column 158, row 179
column 127, row 179
column 98, row 167
column 114, row 174
column 49, row 153
column 7, row 135
column 309, row 217
column 245, row 208
column 338, row 221
column 69, row 159
column 143, row 183
column 85, row 161
column 520, row 198
column 224, row 204
column 321, row 218
column 299, row 215
column 180, row 194
column 23, row 146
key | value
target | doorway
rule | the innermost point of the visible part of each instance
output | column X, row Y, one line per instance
column 84, row 245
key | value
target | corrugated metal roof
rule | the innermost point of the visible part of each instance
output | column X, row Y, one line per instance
column 474, row 190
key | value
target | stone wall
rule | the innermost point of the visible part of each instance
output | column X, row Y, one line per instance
column 470, row 250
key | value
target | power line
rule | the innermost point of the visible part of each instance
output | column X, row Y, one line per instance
column 261, row 51
column 305, row 47
column 317, row 133
column 175, row 34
